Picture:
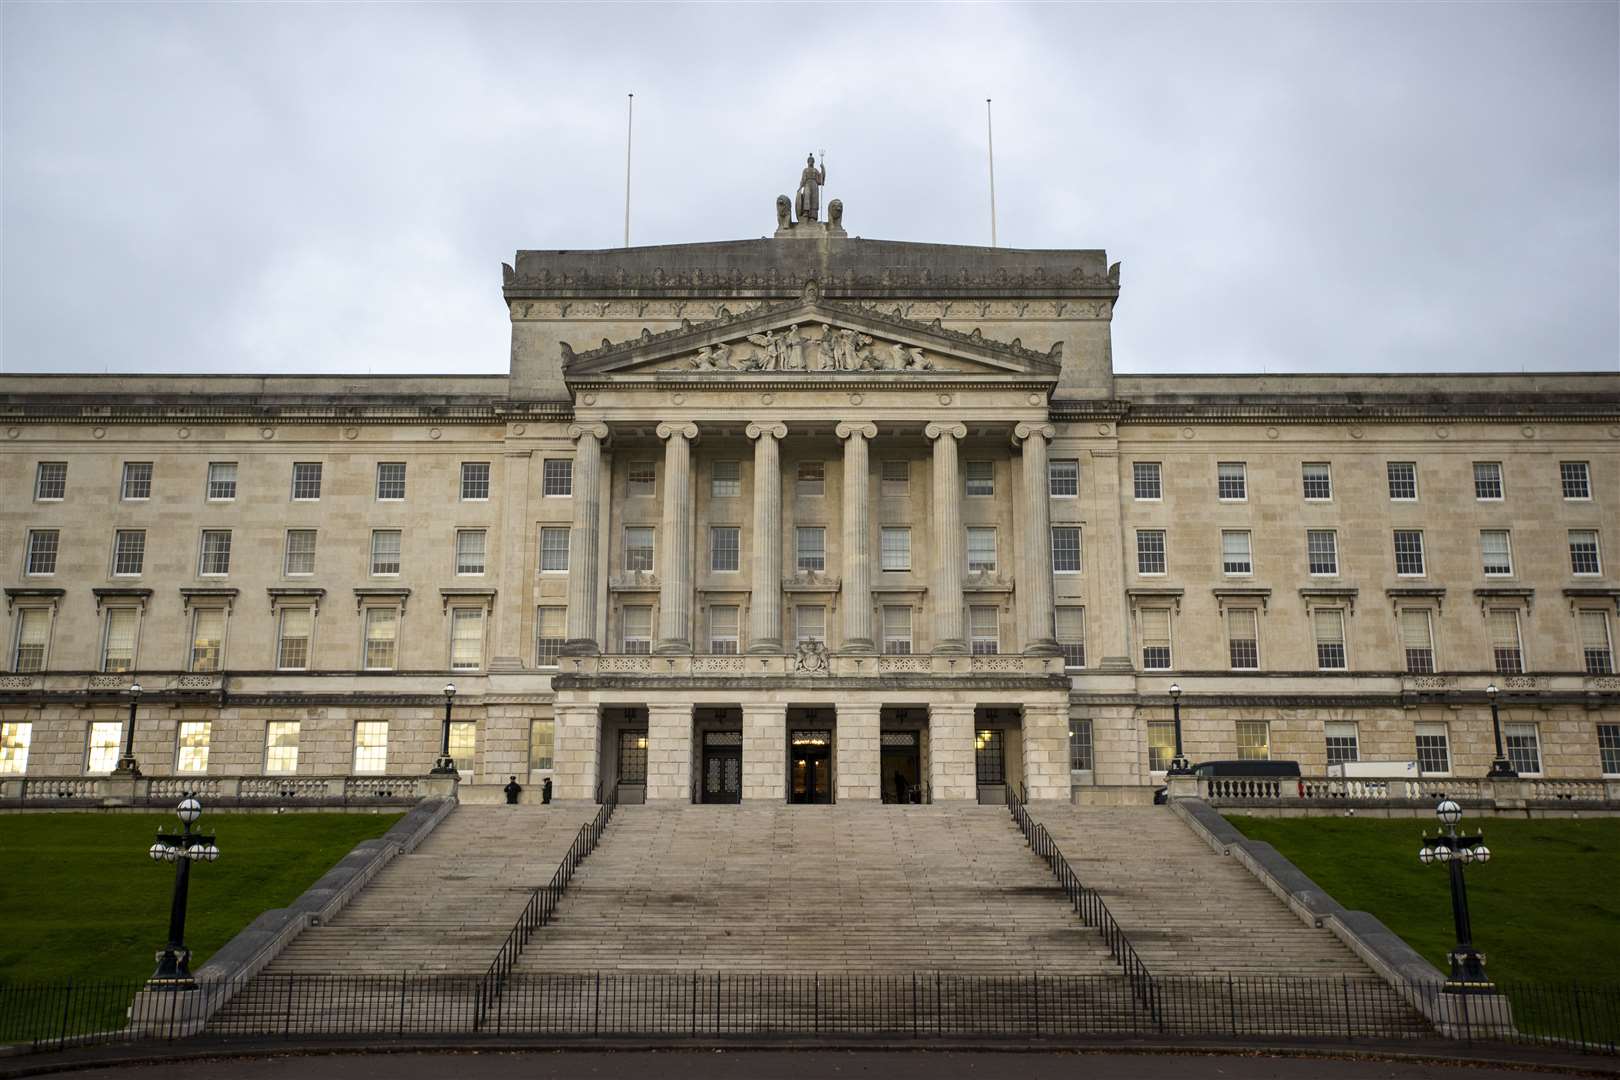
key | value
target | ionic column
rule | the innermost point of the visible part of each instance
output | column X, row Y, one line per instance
column 1035, row 576
column 764, row 751
column 583, row 540
column 948, row 539
column 952, row 769
column 669, row 753
column 857, row 539
column 765, row 604
column 859, row 755
column 675, row 541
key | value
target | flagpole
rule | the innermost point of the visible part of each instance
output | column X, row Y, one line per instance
column 990, row 136
column 629, row 124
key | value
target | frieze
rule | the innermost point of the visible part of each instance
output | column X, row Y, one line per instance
column 620, row 310
column 583, row 279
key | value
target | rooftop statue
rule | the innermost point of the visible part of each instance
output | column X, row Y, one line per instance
column 808, row 202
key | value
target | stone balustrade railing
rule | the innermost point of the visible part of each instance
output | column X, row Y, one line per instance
column 812, row 665
column 1398, row 791
column 110, row 791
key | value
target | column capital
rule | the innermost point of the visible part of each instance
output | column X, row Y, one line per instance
column 1029, row 431
column 685, row 429
column 579, row 431
column 774, row 428
column 955, row 429
column 848, row 428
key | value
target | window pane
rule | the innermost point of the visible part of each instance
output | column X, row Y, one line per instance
column 812, row 550
column 292, row 652
column 1253, row 740
column 638, row 549
column 1403, row 480
column 980, row 477
column 1608, row 749
column 1080, row 744
column 896, row 630
column 723, row 629
column 1322, row 551
column 382, row 635
column 1433, row 749
column 1505, row 647
column 1145, row 479
column 1583, row 551
column 542, row 740
column 207, row 639
column 811, row 623
column 300, row 551
column 726, row 479
column 1487, row 480
column 1155, row 623
column 895, row 549
column 725, row 551
column 1576, row 479
column 642, row 478
column 102, row 750
column 129, row 552
column 551, row 631
column 812, row 478
column 896, row 482
column 191, row 752
column 1063, row 478
column 463, row 745
column 50, row 481
column 1343, row 743
column 474, row 480
column 119, row 651
column 1150, row 551
column 216, row 552
column 1066, row 550
column 1408, row 552
column 371, row 746
column 553, row 550
column 632, row 757
column 33, row 634
column 15, row 739
column 1232, row 480
column 306, row 480
column 1596, row 645
column 466, row 639
column 1235, row 553
column 1071, row 635
column 1523, row 747
column 281, row 746
column 1328, row 624
column 557, row 477
column 989, row 759
column 1244, row 638
column 981, row 550
column 470, row 551
column 984, row 630
column 385, row 545
column 42, row 548
column 391, row 480
column 1417, row 638
column 1161, row 736
column 1318, row 480
column 137, row 480
column 1497, row 552
column 222, row 479
column 638, row 629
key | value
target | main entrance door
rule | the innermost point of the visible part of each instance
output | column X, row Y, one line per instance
column 810, row 767
column 900, row 777
column 722, row 767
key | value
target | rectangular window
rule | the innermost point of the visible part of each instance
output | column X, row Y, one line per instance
column 306, row 481
column 390, row 481
column 129, row 552
column 470, row 551
column 102, row 750
column 191, row 746
column 632, row 757
column 980, row 477
column 1403, row 481
column 221, row 481
column 896, row 630
column 810, row 623
column 638, row 628
column 1408, row 553
column 1576, row 478
column 1597, row 647
column 812, row 549
column 1506, row 650
column 554, row 550
column 557, row 478
column 981, row 550
column 1236, row 553
column 542, row 743
column 1146, row 482
column 371, row 746
column 137, row 481
column 385, row 546
column 207, row 639
column 638, row 549
column 1497, row 552
column 1080, row 746
column 1243, row 638
column 1583, row 552
column 300, row 552
column 725, row 548
column 725, row 479
column 984, row 630
column 1488, row 480
column 1328, row 626
column 466, row 639
column 989, row 756
column 723, row 630
column 1071, row 636
column 1150, row 551
column 1523, row 748
column 1433, row 750
column 812, row 478
column 382, row 638
column 118, row 641
column 1343, row 742
column 216, row 553
column 281, row 746
column 33, row 635
column 50, row 481
column 42, row 548
column 1161, row 739
column 1608, row 749
column 1318, row 480
column 1066, row 549
column 641, row 479
column 292, row 638
column 1322, row 552
column 474, row 481
column 1417, row 638
column 1155, row 638
column 896, row 479
column 1232, row 481
column 463, row 745
column 1063, row 478
column 1253, row 740
column 894, row 548
column 550, row 632
column 15, row 739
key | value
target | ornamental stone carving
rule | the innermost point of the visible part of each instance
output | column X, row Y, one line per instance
column 810, row 658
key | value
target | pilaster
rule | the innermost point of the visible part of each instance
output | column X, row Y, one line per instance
column 857, row 539
column 948, row 539
column 765, row 601
column 859, row 755
column 583, row 541
column 506, row 651
column 1035, row 575
column 764, row 752
column 669, row 753
column 1106, row 538
column 952, row 774
column 675, row 541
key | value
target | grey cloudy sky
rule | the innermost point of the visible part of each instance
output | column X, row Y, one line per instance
column 1312, row 187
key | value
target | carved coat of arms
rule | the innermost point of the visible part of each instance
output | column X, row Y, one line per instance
column 810, row 659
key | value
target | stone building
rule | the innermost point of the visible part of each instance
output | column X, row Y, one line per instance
column 812, row 518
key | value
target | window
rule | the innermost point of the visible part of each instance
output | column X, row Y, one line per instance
column 557, row 478
column 554, row 550
column 385, row 552
column 1343, row 743
column 1243, row 638
column 1322, row 552
column 1328, row 625
column 102, row 750
column 1080, row 745
column 1497, row 552
column 1488, row 480
column 137, row 481
column 1161, row 737
column 1318, row 479
column 382, row 638
column 207, row 639
column 641, row 478
column 812, row 478
column 470, row 551
column 638, row 628
column 632, row 757
column 474, row 481
column 1071, row 635
column 463, row 745
column 50, row 481
column 371, row 746
column 725, row 479
column 1417, row 638
column 725, row 548
column 989, row 756
column 129, row 552
column 1597, row 648
column 980, row 477
column 15, row 739
column 1523, row 748
column 1608, row 749
column 1253, row 740
column 812, row 549
column 306, row 484
column 1403, row 481
column 1063, row 478
column 42, row 546
column 281, row 746
column 300, row 552
column 1507, row 651
column 1146, row 481
column 895, row 480
column 292, row 638
column 638, row 549
column 1155, row 638
column 810, row 623
column 981, row 550
column 542, row 743
column 894, row 548
column 221, row 481
column 390, row 481
column 1231, row 481
column 1066, row 549
column 1583, row 552
column 723, row 629
column 1433, row 750
column 1236, row 554
column 550, row 631
column 33, row 635
column 1150, row 551
column 191, row 746
column 216, row 553
column 466, row 638
column 1576, row 479
column 118, row 639
column 896, row 630
column 1408, row 552
column 984, row 630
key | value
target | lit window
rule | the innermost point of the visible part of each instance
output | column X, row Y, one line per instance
column 812, row 478
column 1080, row 745
column 1417, row 638
column 725, row 479
column 1231, row 481
column 1155, row 624
column 894, row 544
column 723, row 630
column 1497, row 552
column 557, row 477
column 1253, row 740
column 1328, row 625
column 1322, row 552
column 896, row 630
column 980, row 477
column 1150, row 551
column 1608, row 749
column 474, row 481
column 33, row 635
column 1343, row 742
column 1236, row 554
column 896, row 479
column 390, row 481
column 812, row 549
column 1063, row 478
column 1146, row 481
column 382, row 638
column 306, row 484
column 984, row 630
column 281, row 746
column 810, row 623
column 1433, row 750
column 208, row 639
column 42, row 548
column 1243, row 638
column 1576, row 478
column 1403, row 481
column 1488, row 480
column 638, row 549
column 137, row 480
column 191, row 747
column 1071, row 635
column 1318, row 480
column 371, row 746
column 463, row 745
column 632, row 757
column 102, row 750
column 50, row 481
column 550, row 631
column 15, row 739
column 1506, row 650
column 292, row 638
column 642, row 478
column 1583, row 552
column 1597, row 648
column 989, row 756
column 638, row 629
column 216, row 553
column 300, row 552
column 1066, row 549
column 1408, row 553
column 1523, row 748
column 725, row 548
column 221, row 481
column 470, row 551
column 466, row 639
column 385, row 548
column 129, row 552
column 981, row 550
column 118, row 640
column 542, row 743
column 1161, row 740
column 554, row 550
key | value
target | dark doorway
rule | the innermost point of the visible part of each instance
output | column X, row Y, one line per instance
column 810, row 767
column 722, row 767
column 900, row 775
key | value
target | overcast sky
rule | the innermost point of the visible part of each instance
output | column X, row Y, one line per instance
column 1311, row 187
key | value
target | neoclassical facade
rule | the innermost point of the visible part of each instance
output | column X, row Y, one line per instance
column 809, row 518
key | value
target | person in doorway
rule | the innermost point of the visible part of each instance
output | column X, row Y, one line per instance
column 899, row 786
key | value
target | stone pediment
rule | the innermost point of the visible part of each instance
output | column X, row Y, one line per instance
column 812, row 336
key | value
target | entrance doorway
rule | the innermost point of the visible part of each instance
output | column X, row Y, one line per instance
column 722, row 767
column 900, row 768
column 810, row 767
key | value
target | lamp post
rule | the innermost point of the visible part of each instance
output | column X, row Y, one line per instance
column 1501, row 768
column 183, row 848
column 446, row 765
column 1179, row 765
column 127, row 766
column 1454, row 849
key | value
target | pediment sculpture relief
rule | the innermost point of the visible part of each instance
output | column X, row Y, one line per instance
column 815, row 347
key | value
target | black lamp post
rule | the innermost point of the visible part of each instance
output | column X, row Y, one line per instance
column 183, row 848
column 1179, row 765
column 1453, row 849
column 446, row 765
column 1501, row 768
column 127, row 766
